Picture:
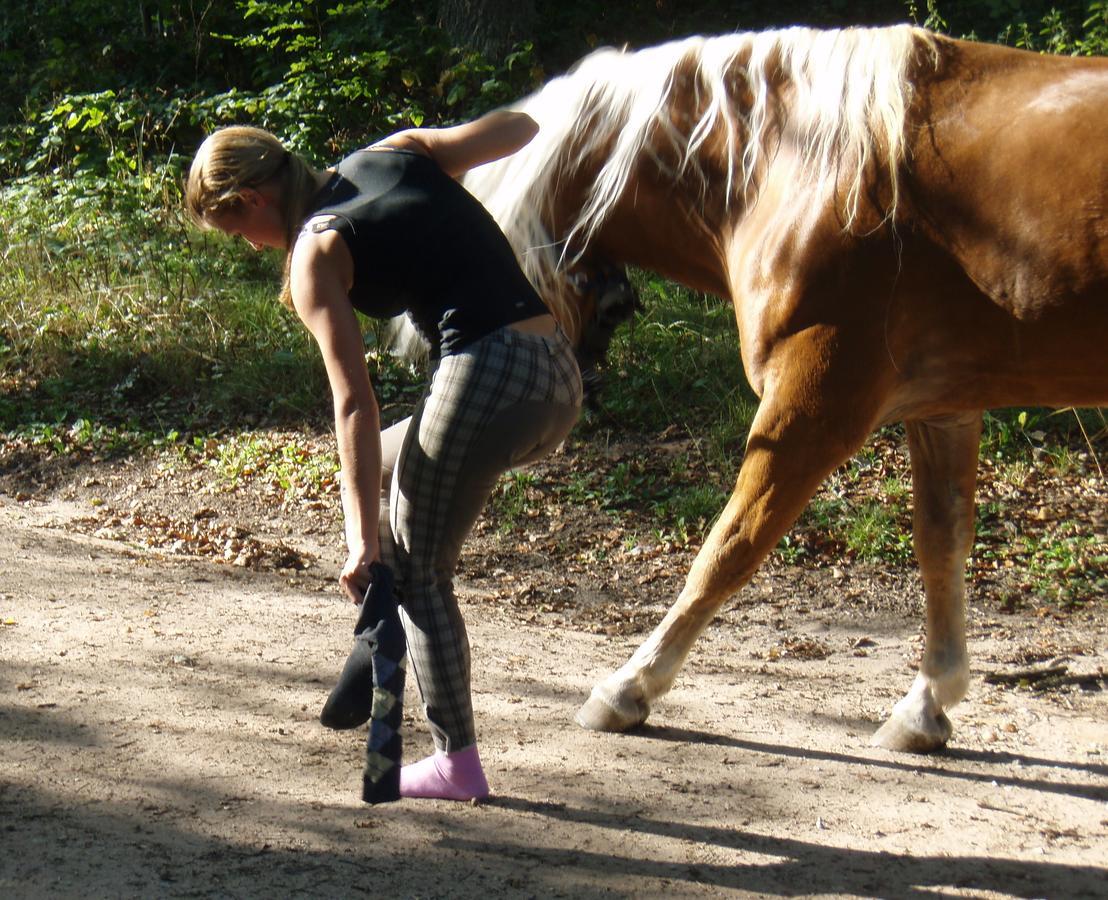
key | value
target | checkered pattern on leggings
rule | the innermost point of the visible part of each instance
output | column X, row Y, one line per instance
column 504, row 400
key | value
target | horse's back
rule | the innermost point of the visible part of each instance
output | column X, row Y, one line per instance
column 1009, row 187
column 1010, row 155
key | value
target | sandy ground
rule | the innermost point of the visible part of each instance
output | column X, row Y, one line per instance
column 158, row 737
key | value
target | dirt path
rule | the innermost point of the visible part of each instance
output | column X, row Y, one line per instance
column 158, row 737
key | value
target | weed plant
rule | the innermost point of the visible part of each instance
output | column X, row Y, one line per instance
column 115, row 311
column 677, row 364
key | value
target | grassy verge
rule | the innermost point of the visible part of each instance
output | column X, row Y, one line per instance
column 122, row 327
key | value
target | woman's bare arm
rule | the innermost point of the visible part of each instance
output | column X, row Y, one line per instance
column 459, row 148
column 322, row 271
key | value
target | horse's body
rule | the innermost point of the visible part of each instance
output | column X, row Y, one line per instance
column 911, row 228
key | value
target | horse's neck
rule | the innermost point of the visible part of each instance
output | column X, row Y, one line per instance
column 680, row 205
column 668, row 226
column 665, row 239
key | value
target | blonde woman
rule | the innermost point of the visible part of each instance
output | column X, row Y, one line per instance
column 389, row 230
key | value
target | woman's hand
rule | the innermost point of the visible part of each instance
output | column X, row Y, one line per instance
column 459, row 148
column 354, row 578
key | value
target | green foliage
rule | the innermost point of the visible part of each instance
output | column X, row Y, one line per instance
column 683, row 502
column 325, row 76
column 326, row 70
column 113, row 310
column 876, row 530
column 287, row 465
column 515, row 496
column 678, row 364
column 1072, row 27
column 847, row 518
column 1042, row 434
column 80, row 46
column 687, row 511
column 1068, row 567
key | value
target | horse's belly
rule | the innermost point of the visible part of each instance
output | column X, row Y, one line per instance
column 971, row 353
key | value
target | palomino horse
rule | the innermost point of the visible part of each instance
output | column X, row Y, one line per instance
column 911, row 228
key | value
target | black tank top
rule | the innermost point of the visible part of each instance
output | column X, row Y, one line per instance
column 424, row 245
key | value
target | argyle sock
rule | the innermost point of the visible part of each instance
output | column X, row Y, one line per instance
column 371, row 687
column 446, row 776
column 384, row 745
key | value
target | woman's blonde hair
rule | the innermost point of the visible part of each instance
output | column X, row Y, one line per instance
column 239, row 157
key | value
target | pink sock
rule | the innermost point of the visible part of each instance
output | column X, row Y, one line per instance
column 446, row 776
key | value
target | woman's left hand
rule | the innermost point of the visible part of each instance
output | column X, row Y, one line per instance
column 354, row 578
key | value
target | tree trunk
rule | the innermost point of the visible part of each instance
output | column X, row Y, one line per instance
column 489, row 26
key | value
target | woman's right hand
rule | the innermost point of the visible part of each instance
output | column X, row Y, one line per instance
column 459, row 148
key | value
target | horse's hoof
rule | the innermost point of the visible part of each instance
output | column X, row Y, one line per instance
column 921, row 735
column 602, row 713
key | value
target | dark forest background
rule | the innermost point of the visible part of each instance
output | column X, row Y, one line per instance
column 110, row 84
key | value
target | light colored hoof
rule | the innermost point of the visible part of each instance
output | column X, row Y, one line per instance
column 603, row 713
column 920, row 735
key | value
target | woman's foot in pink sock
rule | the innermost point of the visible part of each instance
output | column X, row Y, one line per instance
column 446, row 776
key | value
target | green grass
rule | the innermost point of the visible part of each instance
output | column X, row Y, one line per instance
column 116, row 313
column 515, row 497
column 1058, row 437
column 1066, row 567
column 678, row 364
column 284, row 463
column 876, row 531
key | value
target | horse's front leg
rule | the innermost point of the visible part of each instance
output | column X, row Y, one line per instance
column 798, row 437
column 944, row 478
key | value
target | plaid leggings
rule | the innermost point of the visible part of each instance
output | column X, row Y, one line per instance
column 500, row 402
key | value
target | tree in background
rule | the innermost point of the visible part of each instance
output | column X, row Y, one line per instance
column 491, row 27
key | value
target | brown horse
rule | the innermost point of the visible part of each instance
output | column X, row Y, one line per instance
column 911, row 228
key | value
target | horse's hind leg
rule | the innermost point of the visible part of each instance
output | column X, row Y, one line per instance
column 795, row 442
column 944, row 476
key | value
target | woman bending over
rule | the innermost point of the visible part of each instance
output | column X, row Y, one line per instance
column 388, row 230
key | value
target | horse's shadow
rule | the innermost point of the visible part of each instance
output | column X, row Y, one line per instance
column 801, row 868
column 908, row 763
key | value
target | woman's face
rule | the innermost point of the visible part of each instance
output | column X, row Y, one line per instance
column 257, row 220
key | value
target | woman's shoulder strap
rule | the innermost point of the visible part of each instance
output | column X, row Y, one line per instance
column 324, row 222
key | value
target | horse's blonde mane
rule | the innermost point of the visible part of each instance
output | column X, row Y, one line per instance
column 848, row 95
